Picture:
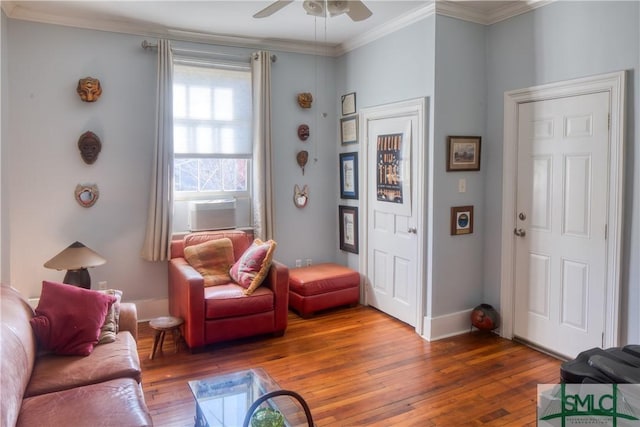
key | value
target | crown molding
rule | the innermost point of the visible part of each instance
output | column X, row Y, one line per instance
column 461, row 10
column 13, row 10
column 311, row 48
column 453, row 9
column 386, row 29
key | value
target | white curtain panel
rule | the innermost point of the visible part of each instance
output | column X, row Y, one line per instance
column 262, row 166
column 158, row 233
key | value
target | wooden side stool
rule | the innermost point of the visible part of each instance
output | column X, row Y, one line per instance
column 161, row 325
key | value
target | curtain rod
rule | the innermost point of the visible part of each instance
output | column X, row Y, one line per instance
column 146, row 45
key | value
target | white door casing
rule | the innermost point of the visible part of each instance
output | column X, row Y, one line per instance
column 393, row 239
column 561, row 205
column 612, row 85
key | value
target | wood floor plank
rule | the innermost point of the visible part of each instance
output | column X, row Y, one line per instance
column 360, row 367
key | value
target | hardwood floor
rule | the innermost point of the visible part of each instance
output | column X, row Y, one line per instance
column 360, row 367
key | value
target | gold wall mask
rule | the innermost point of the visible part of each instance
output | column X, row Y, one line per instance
column 89, row 89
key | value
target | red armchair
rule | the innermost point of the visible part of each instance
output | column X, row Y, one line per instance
column 220, row 313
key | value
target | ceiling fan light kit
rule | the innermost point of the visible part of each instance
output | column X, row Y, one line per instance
column 313, row 8
column 336, row 8
column 317, row 7
column 356, row 10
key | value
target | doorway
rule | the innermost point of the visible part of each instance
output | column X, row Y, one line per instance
column 394, row 227
column 562, row 208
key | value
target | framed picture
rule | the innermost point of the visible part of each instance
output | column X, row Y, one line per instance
column 461, row 220
column 393, row 170
column 348, row 104
column 463, row 153
column 349, row 130
column 349, row 175
column 348, row 217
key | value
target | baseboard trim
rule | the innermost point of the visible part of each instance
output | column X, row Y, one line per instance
column 151, row 308
column 448, row 325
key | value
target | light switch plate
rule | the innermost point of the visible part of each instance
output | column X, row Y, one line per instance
column 462, row 185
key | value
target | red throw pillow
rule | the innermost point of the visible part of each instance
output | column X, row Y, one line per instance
column 68, row 319
column 252, row 267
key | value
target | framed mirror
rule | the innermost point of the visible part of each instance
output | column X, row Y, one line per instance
column 87, row 194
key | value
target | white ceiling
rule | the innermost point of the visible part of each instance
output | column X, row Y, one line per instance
column 231, row 21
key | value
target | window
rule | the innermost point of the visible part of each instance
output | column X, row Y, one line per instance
column 212, row 130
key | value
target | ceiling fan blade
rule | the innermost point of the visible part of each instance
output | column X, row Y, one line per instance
column 358, row 11
column 272, row 8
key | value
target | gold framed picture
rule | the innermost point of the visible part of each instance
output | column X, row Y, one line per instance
column 463, row 153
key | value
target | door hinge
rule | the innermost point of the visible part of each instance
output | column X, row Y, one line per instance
column 609, row 121
column 606, row 231
column 603, row 340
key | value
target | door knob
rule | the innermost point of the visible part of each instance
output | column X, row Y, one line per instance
column 412, row 230
column 519, row 232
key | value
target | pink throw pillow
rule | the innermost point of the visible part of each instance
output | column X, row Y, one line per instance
column 252, row 267
column 68, row 319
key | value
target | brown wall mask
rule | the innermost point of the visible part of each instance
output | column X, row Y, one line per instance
column 89, row 89
column 302, row 158
column 90, row 146
column 303, row 132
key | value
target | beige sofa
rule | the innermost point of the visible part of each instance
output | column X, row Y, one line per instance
column 102, row 389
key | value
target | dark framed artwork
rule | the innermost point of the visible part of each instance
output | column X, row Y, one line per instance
column 349, row 175
column 348, row 103
column 349, row 130
column 348, row 217
column 393, row 173
column 463, row 153
column 461, row 220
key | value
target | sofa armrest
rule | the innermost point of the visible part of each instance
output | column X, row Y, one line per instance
column 129, row 319
column 186, row 300
column 278, row 280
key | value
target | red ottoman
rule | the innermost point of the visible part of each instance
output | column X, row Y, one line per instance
column 322, row 286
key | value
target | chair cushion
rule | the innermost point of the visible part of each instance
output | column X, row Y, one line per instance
column 322, row 278
column 252, row 267
column 230, row 301
column 68, row 319
column 212, row 259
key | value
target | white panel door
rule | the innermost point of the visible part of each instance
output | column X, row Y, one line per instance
column 391, row 216
column 560, row 273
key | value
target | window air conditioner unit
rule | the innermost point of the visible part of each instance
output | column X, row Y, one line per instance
column 212, row 215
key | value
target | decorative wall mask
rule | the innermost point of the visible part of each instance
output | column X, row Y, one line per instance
column 90, row 146
column 303, row 132
column 87, row 194
column 305, row 99
column 302, row 159
column 300, row 197
column 89, row 89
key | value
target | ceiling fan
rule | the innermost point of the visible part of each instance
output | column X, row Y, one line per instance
column 355, row 9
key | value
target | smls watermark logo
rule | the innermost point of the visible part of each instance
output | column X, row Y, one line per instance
column 562, row 405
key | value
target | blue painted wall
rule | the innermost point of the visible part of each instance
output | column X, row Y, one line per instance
column 463, row 69
column 561, row 41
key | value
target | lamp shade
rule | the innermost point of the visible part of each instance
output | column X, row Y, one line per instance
column 75, row 257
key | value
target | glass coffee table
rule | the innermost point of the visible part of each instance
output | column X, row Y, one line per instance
column 223, row 400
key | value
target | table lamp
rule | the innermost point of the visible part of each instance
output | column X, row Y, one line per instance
column 76, row 258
